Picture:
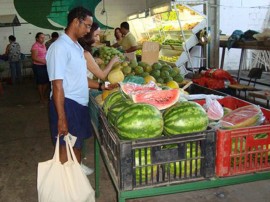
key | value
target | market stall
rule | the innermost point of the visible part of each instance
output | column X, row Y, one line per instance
column 175, row 27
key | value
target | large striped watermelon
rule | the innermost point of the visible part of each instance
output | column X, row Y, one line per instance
column 246, row 116
column 111, row 99
column 184, row 117
column 116, row 108
column 162, row 99
column 139, row 121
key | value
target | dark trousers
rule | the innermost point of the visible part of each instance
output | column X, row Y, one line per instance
column 15, row 71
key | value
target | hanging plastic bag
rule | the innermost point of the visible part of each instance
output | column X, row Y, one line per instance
column 58, row 182
column 214, row 109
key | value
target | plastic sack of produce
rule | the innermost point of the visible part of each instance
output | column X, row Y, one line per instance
column 130, row 88
column 213, row 108
column 250, row 115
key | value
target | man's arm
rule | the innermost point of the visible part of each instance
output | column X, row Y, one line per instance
column 131, row 49
column 116, row 45
column 58, row 98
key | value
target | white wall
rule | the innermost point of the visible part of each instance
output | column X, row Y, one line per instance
column 242, row 15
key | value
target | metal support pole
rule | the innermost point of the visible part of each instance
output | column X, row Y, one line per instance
column 213, row 19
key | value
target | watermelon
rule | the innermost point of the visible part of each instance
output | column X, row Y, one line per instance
column 190, row 165
column 139, row 121
column 116, row 108
column 184, row 117
column 226, row 110
column 143, row 171
column 132, row 88
column 111, row 99
column 162, row 99
column 246, row 116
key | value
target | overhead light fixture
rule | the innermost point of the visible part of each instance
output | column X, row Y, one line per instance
column 166, row 7
column 142, row 15
column 133, row 16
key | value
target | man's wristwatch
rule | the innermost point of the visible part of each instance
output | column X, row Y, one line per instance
column 99, row 86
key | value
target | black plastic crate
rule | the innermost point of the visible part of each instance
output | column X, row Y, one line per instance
column 94, row 108
column 197, row 89
column 160, row 161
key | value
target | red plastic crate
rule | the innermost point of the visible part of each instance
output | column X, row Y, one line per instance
column 243, row 150
column 229, row 102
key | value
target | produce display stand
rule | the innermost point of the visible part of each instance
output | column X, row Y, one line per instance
column 127, row 189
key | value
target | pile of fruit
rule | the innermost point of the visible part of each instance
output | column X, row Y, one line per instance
column 173, row 42
column 147, row 111
column 107, row 53
column 172, row 59
column 159, row 72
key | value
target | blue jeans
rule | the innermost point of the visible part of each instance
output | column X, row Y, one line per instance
column 16, row 72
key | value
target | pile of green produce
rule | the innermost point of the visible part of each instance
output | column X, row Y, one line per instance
column 172, row 42
column 160, row 71
column 107, row 53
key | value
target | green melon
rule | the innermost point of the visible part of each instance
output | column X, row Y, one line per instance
column 155, row 73
column 142, row 64
column 167, row 79
column 184, row 117
column 116, row 108
column 111, row 99
column 139, row 121
column 166, row 68
column 160, row 80
column 178, row 78
column 126, row 70
column 156, row 66
column 164, row 74
column 138, row 70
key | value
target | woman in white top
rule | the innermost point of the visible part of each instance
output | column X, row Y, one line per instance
column 88, row 42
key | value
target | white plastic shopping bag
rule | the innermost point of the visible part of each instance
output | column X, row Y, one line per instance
column 66, row 182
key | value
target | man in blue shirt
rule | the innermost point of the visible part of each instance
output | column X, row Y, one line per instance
column 68, row 73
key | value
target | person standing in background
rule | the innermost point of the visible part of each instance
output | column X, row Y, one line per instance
column 128, row 42
column 38, row 53
column 118, row 34
column 13, row 51
column 54, row 37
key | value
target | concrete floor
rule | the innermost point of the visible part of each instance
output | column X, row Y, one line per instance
column 25, row 141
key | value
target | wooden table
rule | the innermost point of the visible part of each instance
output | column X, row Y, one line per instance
column 262, row 95
column 243, row 45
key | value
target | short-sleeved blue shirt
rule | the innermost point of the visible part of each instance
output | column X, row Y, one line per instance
column 65, row 61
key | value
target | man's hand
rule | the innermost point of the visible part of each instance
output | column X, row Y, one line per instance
column 62, row 127
column 111, row 86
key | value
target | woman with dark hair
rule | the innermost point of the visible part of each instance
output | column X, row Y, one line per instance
column 13, row 51
column 38, row 53
column 118, row 34
column 88, row 42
